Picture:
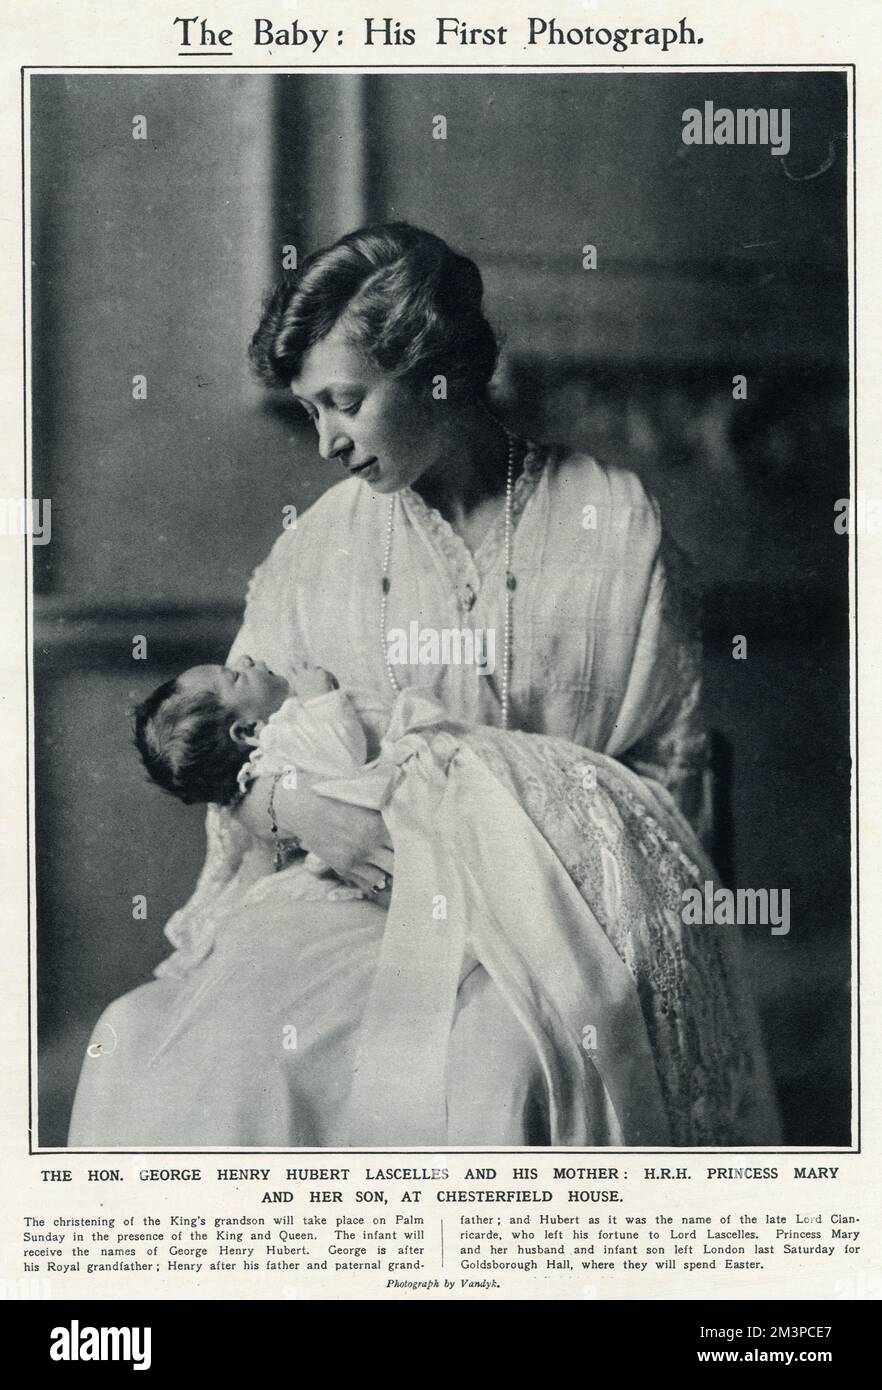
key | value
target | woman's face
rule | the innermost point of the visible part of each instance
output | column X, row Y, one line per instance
column 369, row 422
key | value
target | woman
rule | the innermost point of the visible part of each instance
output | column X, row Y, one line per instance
column 296, row 1014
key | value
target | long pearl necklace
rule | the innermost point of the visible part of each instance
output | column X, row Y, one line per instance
column 510, row 586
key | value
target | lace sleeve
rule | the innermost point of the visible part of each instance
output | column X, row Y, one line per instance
column 191, row 929
column 674, row 752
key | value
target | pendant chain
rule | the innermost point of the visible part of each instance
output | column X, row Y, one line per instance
column 510, row 585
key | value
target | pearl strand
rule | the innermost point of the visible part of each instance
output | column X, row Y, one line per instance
column 384, row 598
column 510, row 586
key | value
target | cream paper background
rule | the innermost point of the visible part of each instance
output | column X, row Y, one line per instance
column 736, row 32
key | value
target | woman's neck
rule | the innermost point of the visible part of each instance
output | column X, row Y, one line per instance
column 470, row 468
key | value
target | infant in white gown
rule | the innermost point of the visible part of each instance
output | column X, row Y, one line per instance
column 561, row 873
column 183, row 731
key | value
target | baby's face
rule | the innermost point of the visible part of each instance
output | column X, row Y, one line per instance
column 249, row 689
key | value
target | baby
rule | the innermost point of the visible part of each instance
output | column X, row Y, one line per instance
column 206, row 735
column 203, row 734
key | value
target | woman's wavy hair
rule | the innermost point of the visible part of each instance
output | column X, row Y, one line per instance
column 410, row 303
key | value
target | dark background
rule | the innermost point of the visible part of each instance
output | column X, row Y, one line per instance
column 152, row 257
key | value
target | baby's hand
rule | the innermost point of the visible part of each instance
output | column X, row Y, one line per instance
column 308, row 680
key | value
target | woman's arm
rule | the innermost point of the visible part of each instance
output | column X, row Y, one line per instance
column 673, row 751
column 353, row 841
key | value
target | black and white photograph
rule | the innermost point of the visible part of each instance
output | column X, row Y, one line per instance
column 442, row 666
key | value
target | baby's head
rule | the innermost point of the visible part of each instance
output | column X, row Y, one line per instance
column 195, row 731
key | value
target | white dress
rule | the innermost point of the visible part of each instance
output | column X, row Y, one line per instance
column 533, row 981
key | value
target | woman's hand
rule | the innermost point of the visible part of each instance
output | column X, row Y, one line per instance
column 350, row 888
column 351, row 840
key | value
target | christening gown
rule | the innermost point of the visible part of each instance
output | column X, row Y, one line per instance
column 533, row 982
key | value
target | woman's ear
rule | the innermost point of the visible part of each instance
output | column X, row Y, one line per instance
column 244, row 732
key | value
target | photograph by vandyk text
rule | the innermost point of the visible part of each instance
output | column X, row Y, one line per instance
column 433, row 560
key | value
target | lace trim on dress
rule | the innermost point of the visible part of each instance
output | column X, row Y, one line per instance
column 263, row 752
column 451, row 544
column 191, row 930
column 695, row 997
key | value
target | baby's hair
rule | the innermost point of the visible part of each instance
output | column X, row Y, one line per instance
column 184, row 742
